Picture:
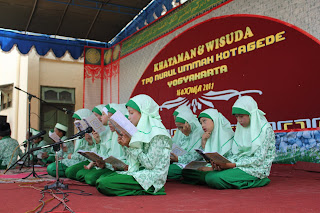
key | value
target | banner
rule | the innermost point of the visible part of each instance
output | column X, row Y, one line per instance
column 213, row 63
column 101, row 68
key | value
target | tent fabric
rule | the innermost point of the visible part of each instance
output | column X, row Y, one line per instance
column 44, row 43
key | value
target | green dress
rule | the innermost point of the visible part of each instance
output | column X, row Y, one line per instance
column 148, row 155
column 251, row 171
column 253, row 150
column 8, row 147
column 39, row 152
column 77, row 161
column 188, row 143
column 154, row 161
column 109, row 147
column 220, row 141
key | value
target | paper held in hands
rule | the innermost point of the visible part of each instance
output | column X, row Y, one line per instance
column 54, row 137
column 214, row 156
column 177, row 150
column 95, row 123
column 116, row 163
column 81, row 125
column 122, row 124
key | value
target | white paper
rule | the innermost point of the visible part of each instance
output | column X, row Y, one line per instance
column 124, row 123
column 55, row 137
column 94, row 122
column 177, row 150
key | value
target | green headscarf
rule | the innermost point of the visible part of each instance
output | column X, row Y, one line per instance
column 221, row 137
column 150, row 124
column 248, row 139
column 121, row 107
column 82, row 113
column 194, row 138
column 98, row 109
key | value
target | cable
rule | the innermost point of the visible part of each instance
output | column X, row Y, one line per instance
column 44, row 120
column 54, row 194
column 14, row 151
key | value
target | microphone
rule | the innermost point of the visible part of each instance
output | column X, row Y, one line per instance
column 82, row 133
column 37, row 135
column 17, row 88
column 67, row 111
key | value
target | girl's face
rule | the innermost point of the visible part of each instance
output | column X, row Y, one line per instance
column 243, row 120
column 134, row 116
column 207, row 124
column 110, row 124
column 183, row 128
column 104, row 118
column 98, row 116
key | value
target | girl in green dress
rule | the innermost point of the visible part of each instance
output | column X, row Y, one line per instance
column 108, row 146
column 147, row 151
column 252, row 153
column 217, row 137
column 188, row 124
column 75, row 161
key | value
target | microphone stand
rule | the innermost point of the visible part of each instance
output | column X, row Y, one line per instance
column 30, row 96
column 58, row 183
column 28, row 157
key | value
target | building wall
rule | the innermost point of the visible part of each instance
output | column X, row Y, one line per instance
column 301, row 13
column 30, row 72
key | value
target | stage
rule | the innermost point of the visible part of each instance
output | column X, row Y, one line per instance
column 293, row 188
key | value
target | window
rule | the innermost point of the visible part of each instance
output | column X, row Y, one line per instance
column 6, row 96
column 58, row 95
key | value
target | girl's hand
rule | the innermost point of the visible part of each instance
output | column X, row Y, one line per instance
column 173, row 157
column 204, row 139
column 222, row 166
column 123, row 139
column 69, row 156
column 96, row 137
column 88, row 138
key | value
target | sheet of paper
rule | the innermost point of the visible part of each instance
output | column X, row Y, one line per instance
column 54, row 137
column 123, row 123
column 94, row 122
column 177, row 150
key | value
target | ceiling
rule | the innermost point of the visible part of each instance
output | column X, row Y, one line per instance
column 99, row 20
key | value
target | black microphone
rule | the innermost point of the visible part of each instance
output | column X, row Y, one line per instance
column 67, row 111
column 17, row 88
column 82, row 133
column 37, row 135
